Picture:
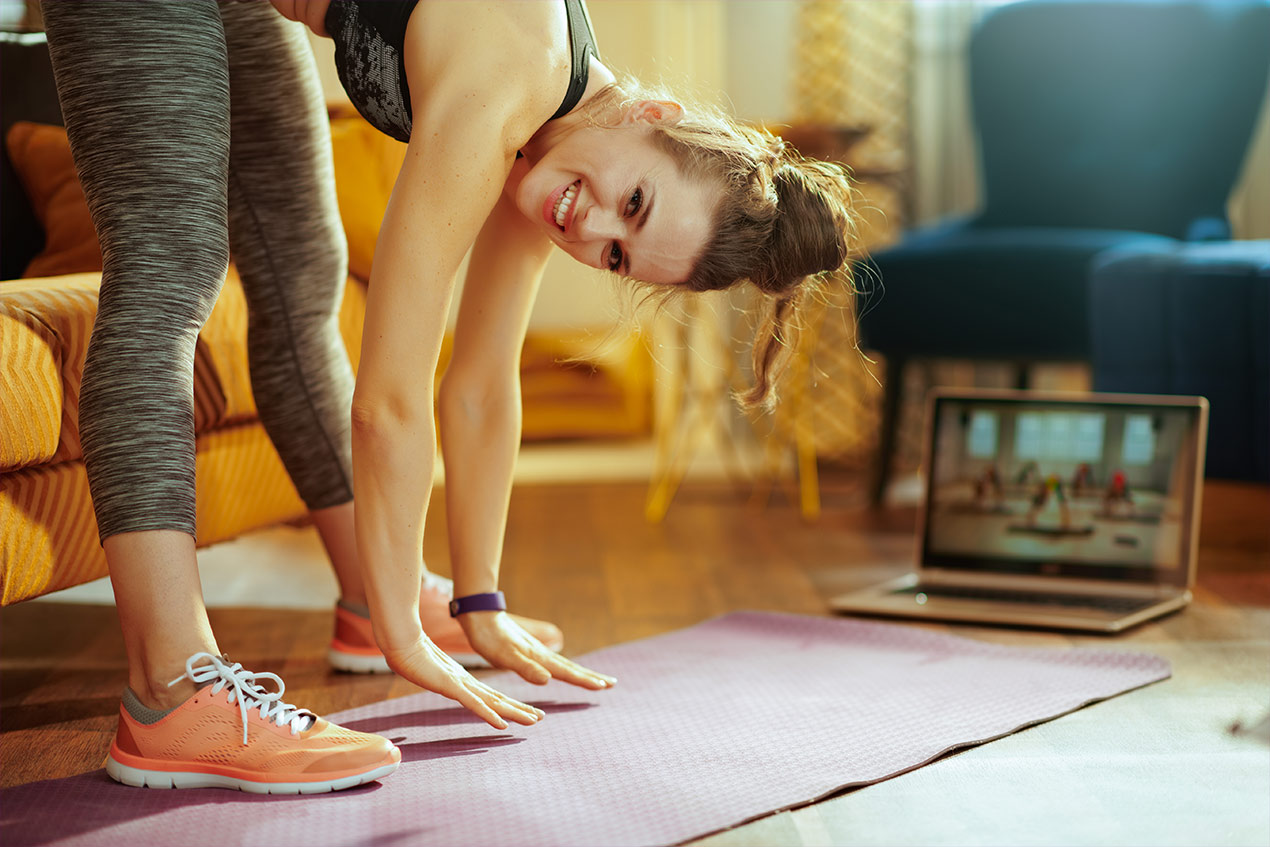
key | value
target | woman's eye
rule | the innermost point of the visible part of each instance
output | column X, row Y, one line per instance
column 637, row 200
column 615, row 257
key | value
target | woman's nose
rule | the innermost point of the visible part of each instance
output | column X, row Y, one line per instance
column 597, row 224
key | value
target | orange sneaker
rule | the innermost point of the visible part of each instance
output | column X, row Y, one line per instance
column 353, row 647
column 283, row 750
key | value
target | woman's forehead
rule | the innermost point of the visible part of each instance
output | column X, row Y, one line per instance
column 678, row 228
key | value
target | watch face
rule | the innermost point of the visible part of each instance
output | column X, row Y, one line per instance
column 454, row 608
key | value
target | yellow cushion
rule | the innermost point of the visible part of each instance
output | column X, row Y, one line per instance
column 366, row 166
column 48, row 534
column 220, row 360
column 241, row 484
column 41, row 156
column 31, row 391
column 44, row 330
column 220, row 363
column 45, row 326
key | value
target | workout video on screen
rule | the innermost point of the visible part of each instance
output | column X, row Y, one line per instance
column 1083, row 485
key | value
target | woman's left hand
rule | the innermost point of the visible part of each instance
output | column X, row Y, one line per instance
column 506, row 645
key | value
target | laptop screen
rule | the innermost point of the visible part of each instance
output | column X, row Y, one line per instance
column 1094, row 487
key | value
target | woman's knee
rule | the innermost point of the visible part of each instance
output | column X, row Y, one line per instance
column 166, row 291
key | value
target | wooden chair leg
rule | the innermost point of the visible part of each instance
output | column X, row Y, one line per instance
column 894, row 390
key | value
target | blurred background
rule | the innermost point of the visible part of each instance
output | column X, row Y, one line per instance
column 999, row 148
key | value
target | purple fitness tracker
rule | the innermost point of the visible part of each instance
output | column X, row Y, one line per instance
column 492, row 602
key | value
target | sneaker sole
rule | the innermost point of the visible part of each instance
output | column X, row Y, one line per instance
column 140, row 778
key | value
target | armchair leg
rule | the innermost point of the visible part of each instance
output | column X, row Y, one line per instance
column 1022, row 376
column 890, row 427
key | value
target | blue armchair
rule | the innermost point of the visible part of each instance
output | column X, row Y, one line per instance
column 1100, row 124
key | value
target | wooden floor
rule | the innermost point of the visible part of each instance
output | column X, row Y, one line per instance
column 1156, row 766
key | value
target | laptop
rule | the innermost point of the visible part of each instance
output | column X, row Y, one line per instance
column 1052, row 510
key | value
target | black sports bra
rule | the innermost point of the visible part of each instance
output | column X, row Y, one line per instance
column 582, row 42
column 369, row 38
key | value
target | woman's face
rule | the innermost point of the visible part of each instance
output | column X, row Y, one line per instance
column 612, row 199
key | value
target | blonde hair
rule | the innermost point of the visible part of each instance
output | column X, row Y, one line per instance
column 784, row 222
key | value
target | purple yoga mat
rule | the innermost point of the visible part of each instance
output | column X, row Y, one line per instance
column 708, row 727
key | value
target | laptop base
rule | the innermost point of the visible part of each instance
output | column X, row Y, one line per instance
column 907, row 598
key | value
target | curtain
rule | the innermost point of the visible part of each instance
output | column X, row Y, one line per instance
column 945, row 166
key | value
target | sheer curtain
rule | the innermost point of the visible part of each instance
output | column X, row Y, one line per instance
column 945, row 170
column 1249, row 206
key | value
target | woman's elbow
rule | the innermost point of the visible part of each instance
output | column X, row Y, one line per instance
column 375, row 417
column 469, row 403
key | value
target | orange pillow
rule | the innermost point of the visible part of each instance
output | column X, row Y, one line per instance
column 41, row 155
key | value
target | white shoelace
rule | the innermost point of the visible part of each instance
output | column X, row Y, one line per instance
column 246, row 692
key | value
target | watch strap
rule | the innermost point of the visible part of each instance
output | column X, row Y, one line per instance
column 490, row 602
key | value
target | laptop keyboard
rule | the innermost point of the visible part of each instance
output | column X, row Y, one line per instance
column 1119, row 605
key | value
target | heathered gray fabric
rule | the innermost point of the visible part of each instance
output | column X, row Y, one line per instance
column 197, row 127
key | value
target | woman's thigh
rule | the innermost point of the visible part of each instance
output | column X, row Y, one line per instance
column 282, row 202
column 144, row 89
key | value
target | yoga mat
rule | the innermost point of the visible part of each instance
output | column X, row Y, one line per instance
column 708, row 727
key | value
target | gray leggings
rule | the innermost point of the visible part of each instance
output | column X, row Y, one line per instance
column 199, row 129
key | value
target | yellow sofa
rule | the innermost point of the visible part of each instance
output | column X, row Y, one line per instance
column 48, row 535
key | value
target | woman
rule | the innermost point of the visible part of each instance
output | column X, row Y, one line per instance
column 197, row 129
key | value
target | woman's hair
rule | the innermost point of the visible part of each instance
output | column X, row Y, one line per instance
column 784, row 222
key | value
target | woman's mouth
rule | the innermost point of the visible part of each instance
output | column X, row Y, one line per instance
column 559, row 207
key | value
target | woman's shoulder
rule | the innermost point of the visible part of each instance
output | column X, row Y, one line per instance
column 513, row 54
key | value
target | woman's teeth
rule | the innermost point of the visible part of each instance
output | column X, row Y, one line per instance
column 565, row 201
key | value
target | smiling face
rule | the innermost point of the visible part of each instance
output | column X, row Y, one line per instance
column 612, row 199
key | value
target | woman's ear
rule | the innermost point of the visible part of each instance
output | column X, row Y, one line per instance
column 654, row 111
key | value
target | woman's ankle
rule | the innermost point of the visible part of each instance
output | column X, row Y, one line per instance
column 161, row 697
column 164, row 684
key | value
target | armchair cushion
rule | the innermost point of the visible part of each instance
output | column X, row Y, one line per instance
column 1191, row 319
column 44, row 330
column 1028, row 285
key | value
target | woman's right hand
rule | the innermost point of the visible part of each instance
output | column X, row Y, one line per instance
column 427, row 666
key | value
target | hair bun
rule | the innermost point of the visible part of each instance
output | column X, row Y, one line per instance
column 809, row 235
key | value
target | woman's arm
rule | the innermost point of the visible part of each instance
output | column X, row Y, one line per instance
column 480, row 408
column 480, row 416
column 455, row 166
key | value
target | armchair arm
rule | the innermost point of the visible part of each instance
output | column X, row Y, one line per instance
column 1208, row 228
